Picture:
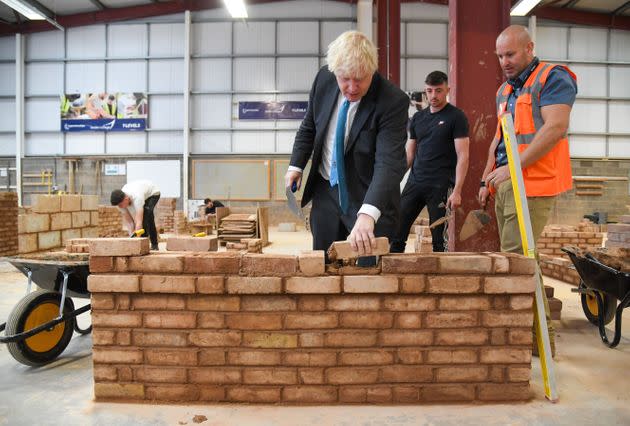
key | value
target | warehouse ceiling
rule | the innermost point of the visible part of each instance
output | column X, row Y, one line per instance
column 70, row 13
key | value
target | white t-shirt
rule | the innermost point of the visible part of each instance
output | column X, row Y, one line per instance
column 138, row 191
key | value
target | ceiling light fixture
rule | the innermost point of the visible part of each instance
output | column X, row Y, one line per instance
column 236, row 8
column 25, row 9
column 523, row 7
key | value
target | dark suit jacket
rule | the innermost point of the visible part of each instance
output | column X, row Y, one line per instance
column 375, row 151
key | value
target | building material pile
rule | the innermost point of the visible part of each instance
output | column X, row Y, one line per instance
column 424, row 241
column 110, row 222
column 8, row 223
column 165, row 215
column 619, row 233
column 237, row 226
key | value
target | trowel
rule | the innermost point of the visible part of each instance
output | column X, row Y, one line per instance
column 475, row 220
column 292, row 202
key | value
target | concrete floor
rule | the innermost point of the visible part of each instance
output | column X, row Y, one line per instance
column 593, row 383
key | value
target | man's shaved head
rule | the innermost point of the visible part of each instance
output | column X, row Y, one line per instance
column 515, row 50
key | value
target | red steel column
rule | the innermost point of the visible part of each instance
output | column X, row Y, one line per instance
column 474, row 77
column 388, row 28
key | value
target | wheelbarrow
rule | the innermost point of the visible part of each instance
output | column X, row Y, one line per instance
column 41, row 325
column 600, row 288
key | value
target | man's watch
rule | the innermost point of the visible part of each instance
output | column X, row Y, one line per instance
column 482, row 184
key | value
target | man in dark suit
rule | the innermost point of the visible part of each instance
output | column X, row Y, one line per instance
column 354, row 130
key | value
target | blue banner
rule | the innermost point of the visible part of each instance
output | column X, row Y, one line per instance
column 104, row 124
column 104, row 112
column 279, row 110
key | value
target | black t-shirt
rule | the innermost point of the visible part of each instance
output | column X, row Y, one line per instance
column 213, row 209
column 435, row 134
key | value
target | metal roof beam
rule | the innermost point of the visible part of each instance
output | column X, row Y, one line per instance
column 583, row 18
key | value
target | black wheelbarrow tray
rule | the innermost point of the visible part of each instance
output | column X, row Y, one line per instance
column 600, row 288
column 41, row 325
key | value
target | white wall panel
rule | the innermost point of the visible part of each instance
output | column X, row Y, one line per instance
column 403, row 39
column 86, row 42
column 125, row 142
column 7, row 79
column 211, row 111
column 212, row 38
column 7, row 47
column 619, row 118
column 619, row 46
column 417, row 70
column 7, row 118
column 423, row 11
column 298, row 37
column 46, row 45
column 166, row 112
column 296, row 73
column 127, row 41
column 591, row 79
column 403, row 76
column 85, row 77
column 588, row 44
column 332, row 30
column 210, row 142
column 7, row 145
column 85, row 143
column 254, row 38
column 44, row 78
column 427, row 39
column 254, row 74
column 165, row 142
column 551, row 42
column 620, row 81
column 302, row 9
column 588, row 116
column 43, row 144
column 587, row 146
column 619, row 147
column 253, row 142
column 166, row 39
column 125, row 76
column 284, row 142
column 166, row 75
column 42, row 114
column 211, row 75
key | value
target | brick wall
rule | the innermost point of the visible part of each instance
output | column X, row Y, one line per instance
column 110, row 222
column 54, row 219
column 584, row 236
column 261, row 328
column 619, row 233
column 8, row 223
column 165, row 214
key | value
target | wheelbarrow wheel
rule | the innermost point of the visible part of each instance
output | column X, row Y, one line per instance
column 589, row 306
column 33, row 310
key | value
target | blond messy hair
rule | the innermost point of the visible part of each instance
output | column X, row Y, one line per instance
column 352, row 54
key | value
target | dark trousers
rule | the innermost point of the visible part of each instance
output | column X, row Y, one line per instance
column 148, row 218
column 414, row 198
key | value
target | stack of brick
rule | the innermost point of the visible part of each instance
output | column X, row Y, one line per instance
column 110, row 222
column 424, row 242
column 181, row 223
column 77, row 245
column 560, row 268
column 619, row 233
column 554, row 237
column 269, row 328
column 55, row 219
column 8, row 223
column 248, row 245
column 165, row 215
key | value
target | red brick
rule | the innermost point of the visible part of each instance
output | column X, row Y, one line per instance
column 409, row 320
column 497, row 374
column 254, row 285
column 497, row 336
column 406, row 374
column 409, row 264
column 500, row 264
column 379, row 395
column 309, row 394
column 509, row 284
column 311, row 340
column 254, row 321
column 268, row 303
column 351, row 375
column 254, row 358
column 454, row 356
column 99, row 264
column 504, row 392
column 116, row 390
column 310, row 321
column 505, row 355
column 341, row 250
column 521, row 302
column 354, row 303
column 462, row 374
column 211, row 393
column 311, row 263
column 159, row 338
column 160, row 375
column 113, row 283
column 172, row 393
column 507, row 319
column 447, row 393
column 351, row 339
column 453, row 284
column 210, row 320
column 269, row 376
column 212, row 263
column 409, row 303
column 311, row 303
column 412, row 284
column 211, row 357
column 216, row 375
column 213, row 303
column 103, row 337
column 157, row 302
column 370, row 284
column 105, row 373
column 125, row 374
column 519, row 374
column 520, row 337
column 123, row 337
column 210, row 285
column 501, row 302
column 461, row 337
column 451, row 319
column 406, row 337
column 405, row 394
column 366, row 358
column 118, row 319
column 313, row 285
column 170, row 320
column 366, row 320
column 269, row 340
column 352, row 394
column 254, row 394
column 119, row 246
column 188, row 243
column 410, row 356
column 167, row 284
column 467, row 264
column 102, row 301
column 215, row 338
column 275, row 265
column 156, row 264
column 171, row 357
column 310, row 359
column 116, row 356
column 311, row 376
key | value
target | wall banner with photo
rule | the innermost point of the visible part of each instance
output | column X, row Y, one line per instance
column 278, row 110
column 118, row 112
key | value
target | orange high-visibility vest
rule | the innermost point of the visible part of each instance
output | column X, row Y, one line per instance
column 551, row 174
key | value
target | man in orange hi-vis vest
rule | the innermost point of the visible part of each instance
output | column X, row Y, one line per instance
column 539, row 95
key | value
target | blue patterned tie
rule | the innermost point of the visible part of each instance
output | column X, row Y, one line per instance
column 337, row 169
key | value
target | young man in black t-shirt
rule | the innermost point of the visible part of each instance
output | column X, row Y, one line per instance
column 437, row 152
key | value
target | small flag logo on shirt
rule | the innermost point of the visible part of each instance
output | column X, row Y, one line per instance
column 440, row 123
